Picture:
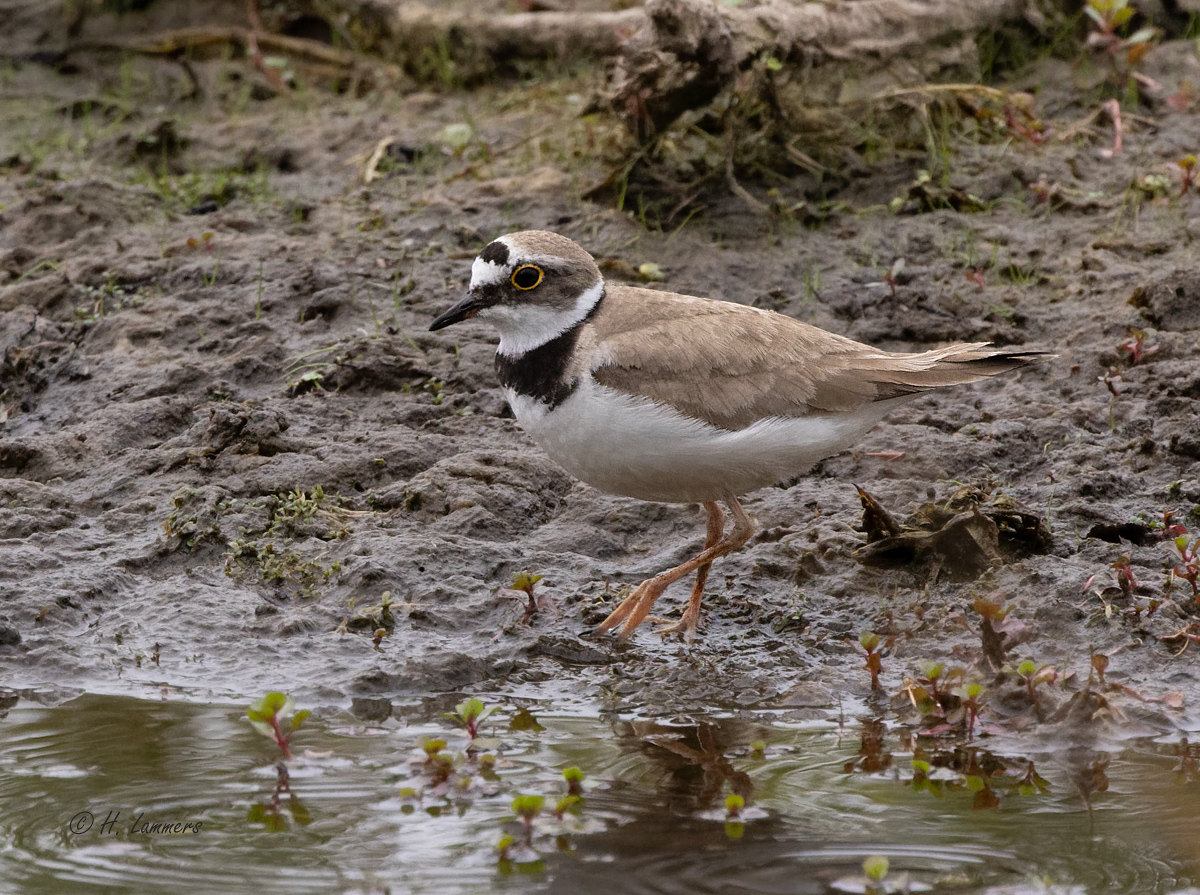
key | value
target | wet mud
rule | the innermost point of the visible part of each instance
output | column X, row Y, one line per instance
column 233, row 459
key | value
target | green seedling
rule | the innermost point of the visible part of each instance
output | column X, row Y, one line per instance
column 969, row 695
column 933, row 672
column 993, row 630
column 1125, row 577
column 893, row 272
column 275, row 717
column 1109, row 18
column 1136, row 346
column 470, row 714
column 1187, row 170
column 204, row 242
column 527, row 808
column 876, row 869
column 869, row 641
column 1034, row 677
column 1110, row 380
column 1188, row 567
column 438, row 764
column 567, row 803
column 487, row 766
column 574, row 778
column 649, row 272
column 524, row 582
column 921, row 781
column 504, row 848
column 735, row 826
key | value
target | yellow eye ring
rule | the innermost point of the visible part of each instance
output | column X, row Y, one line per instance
column 520, row 278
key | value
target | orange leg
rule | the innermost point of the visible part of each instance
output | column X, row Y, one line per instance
column 634, row 608
column 691, row 616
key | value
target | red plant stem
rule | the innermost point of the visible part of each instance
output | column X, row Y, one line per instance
column 280, row 740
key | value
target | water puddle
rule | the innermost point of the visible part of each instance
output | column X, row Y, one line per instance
column 117, row 794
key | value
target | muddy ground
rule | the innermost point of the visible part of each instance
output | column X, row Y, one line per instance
column 228, row 437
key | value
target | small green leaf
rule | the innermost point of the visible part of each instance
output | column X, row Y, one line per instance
column 566, row 803
column 651, row 272
column 527, row 807
column 272, row 705
column 469, row 709
column 876, row 868
column 975, row 784
column 456, row 137
column 1026, row 668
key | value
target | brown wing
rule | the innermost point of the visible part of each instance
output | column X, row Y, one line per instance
column 731, row 365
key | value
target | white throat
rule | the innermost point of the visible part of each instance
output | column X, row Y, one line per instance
column 526, row 327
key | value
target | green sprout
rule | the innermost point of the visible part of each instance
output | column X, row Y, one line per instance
column 1033, row 677
column 439, row 765
column 574, row 778
column 735, row 828
column 876, row 869
column 526, row 808
column 567, row 803
column 470, row 714
column 524, row 582
column 733, row 806
column 275, row 717
column 869, row 641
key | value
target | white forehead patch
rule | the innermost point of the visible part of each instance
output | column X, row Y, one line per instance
column 489, row 273
column 486, row 273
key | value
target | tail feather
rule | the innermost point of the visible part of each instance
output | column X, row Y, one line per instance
column 896, row 375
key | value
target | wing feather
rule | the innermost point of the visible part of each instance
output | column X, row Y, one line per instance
column 731, row 365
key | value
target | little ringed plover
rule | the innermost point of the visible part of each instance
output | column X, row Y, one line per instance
column 678, row 399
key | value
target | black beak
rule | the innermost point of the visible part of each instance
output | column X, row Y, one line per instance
column 466, row 308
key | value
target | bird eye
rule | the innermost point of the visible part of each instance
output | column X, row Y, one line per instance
column 527, row 276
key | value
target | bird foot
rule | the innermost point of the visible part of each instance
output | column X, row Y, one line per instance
column 686, row 626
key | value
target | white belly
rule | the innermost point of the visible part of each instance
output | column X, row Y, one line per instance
column 630, row 446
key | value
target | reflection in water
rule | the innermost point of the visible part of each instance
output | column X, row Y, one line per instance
column 271, row 813
column 1188, row 769
column 696, row 758
column 871, row 758
column 367, row 813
